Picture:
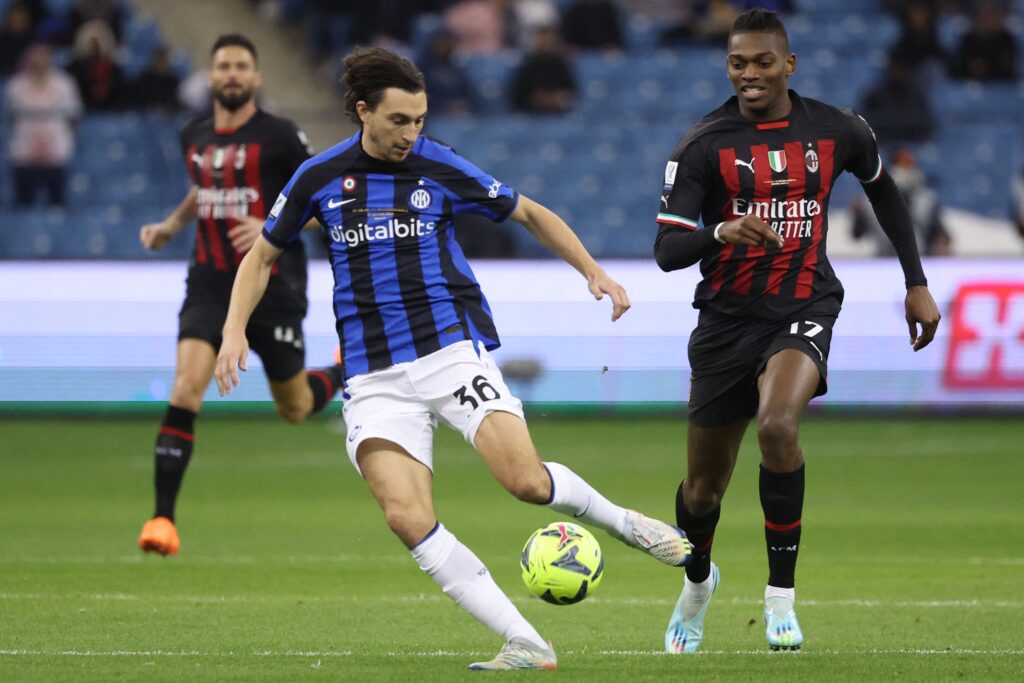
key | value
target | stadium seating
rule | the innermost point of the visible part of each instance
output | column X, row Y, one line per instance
column 600, row 166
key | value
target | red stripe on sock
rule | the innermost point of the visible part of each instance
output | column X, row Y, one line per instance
column 702, row 550
column 781, row 527
column 325, row 379
column 171, row 431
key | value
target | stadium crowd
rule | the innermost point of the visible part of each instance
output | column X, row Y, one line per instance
column 65, row 62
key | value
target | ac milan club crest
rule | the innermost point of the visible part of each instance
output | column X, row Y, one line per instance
column 811, row 158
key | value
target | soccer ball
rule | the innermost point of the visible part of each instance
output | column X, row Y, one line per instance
column 562, row 563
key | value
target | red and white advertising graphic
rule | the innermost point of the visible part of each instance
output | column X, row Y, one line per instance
column 986, row 347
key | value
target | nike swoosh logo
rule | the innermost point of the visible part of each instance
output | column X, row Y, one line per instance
column 331, row 204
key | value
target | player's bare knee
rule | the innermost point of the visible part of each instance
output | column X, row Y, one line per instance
column 777, row 434
column 703, row 496
column 291, row 412
column 187, row 394
column 534, row 487
column 409, row 524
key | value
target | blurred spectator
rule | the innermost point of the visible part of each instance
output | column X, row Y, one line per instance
column 780, row 6
column 1017, row 202
column 923, row 203
column 109, row 12
column 704, row 22
column 478, row 26
column 42, row 103
column 592, row 25
column 451, row 90
column 524, row 17
column 99, row 77
column 988, row 52
column 16, row 35
column 544, row 82
column 194, row 93
column 918, row 43
column 898, row 108
column 157, row 86
column 383, row 23
column 715, row 21
column 681, row 25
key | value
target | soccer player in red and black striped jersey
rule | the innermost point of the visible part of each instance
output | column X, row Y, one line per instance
column 238, row 159
column 758, row 172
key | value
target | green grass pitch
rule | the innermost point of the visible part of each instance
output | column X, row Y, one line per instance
column 911, row 566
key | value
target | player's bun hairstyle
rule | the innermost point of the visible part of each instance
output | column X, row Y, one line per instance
column 234, row 40
column 369, row 71
column 760, row 20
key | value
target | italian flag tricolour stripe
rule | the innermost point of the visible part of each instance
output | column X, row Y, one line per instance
column 672, row 219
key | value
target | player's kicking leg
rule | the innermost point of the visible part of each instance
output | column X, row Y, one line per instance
column 402, row 486
column 174, row 441
column 503, row 440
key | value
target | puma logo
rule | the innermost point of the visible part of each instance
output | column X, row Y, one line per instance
column 748, row 164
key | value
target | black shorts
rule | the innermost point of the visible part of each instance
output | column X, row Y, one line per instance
column 276, row 337
column 728, row 353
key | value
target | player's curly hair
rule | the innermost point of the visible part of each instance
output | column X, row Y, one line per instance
column 760, row 20
column 369, row 71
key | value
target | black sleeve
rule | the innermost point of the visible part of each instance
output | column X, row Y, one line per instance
column 296, row 146
column 676, row 248
column 893, row 216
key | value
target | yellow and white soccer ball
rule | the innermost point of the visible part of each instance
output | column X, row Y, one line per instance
column 562, row 563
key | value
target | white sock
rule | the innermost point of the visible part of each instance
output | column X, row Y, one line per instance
column 783, row 593
column 571, row 495
column 699, row 589
column 465, row 579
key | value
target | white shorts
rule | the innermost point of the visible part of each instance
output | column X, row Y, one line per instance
column 458, row 385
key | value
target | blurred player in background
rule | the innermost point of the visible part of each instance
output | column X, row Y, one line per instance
column 759, row 171
column 237, row 159
column 415, row 332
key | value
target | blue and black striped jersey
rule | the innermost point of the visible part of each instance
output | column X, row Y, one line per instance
column 402, row 286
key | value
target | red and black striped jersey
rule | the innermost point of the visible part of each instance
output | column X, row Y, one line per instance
column 238, row 173
column 728, row 166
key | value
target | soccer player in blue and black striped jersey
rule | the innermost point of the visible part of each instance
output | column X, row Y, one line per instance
column 415, row 331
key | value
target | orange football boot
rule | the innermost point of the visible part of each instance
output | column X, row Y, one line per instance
column 159, row 536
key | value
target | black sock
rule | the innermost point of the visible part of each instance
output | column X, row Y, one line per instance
column 325, row 383
column 173, row 451
column 701, row 532
column 782, row 499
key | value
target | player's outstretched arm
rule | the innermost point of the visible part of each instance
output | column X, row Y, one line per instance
column 250, row 284
column 553, row 233
column 156, row 235
column 921, row 310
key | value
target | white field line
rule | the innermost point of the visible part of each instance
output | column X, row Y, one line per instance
column 404, row 559
column 432, row 598
column 456, row 653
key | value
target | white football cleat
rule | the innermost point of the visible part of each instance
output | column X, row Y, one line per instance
column 686, row 627
column 661, row 541
column 781, row 627
column 519, row 653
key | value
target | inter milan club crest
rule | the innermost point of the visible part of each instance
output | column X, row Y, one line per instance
column 777, row 160
column 348, row 183
column 811, row 158
column 420, row 199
